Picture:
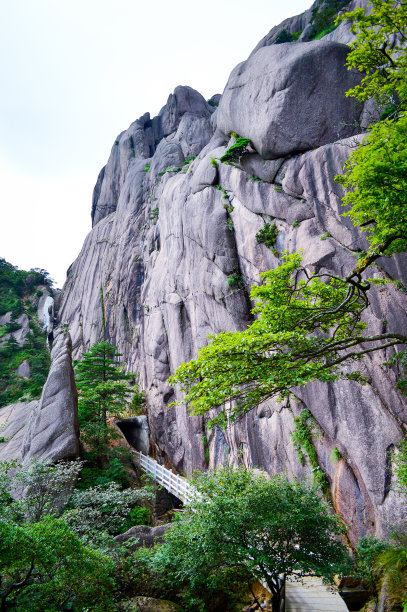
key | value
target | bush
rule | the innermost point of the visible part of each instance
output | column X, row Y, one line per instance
column 235, row 152
column 267, row 235
column 286, row 36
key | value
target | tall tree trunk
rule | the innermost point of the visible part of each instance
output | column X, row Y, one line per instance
column 276, row 601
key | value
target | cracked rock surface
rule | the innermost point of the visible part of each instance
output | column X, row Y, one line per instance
column 169, row 231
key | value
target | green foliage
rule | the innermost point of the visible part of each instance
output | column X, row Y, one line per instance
column 102, row 509
column 19, row 294
column 255, row 179
column 147, row 167
column 367, row 552
column 235, row 151
column 228, row 207
column 206, row 448
column 375, row 180
column 285, row 36
column 376, row 54
column 244, row 527
column 400, row 469
column 42, row 489
column 375, row 174
column 323, row 16
column 54, row 540
column 324, row 32
column 335, row 455
column 377, row 560
column 267, row 235
column 138, row 402
column 302, row 438
column 104, row 392
column 139, row 516
column 153, row 214
column 234, row 280
column 325, row 236
column 393, row 564
column 44, row 566
column 310, row 327
column 229, row 225
column 103, row 470
column 214, row 163
column 284, row 347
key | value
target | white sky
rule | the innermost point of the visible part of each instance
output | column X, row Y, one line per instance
column 75, row 73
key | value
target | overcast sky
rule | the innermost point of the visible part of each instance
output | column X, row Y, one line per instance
column 75, row 73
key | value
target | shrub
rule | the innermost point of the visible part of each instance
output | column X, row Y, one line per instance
column 267, row 235
column 235, row 152
column 234, row 279
column 286, row 36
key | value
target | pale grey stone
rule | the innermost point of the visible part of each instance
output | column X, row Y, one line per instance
column 165, row 279
column 23, row 369
column 268, row 94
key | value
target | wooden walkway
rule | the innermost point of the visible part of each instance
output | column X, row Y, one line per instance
column 309, row 595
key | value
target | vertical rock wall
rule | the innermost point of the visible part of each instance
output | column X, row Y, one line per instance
column 152, row 276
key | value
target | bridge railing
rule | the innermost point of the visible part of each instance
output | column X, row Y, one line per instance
column 174, row 483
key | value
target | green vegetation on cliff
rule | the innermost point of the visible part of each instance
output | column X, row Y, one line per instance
column 310, row 326
column 20, row 292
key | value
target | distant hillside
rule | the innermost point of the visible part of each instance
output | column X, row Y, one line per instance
column 24, row 354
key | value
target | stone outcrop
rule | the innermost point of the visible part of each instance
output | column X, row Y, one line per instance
column 143, row 535
column 266, row 95
column 168, row 235
column 46, row 428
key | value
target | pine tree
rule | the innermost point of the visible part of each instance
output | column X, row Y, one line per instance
column 104, row 392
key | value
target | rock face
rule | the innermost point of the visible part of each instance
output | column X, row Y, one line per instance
column 281, row 83
column 165, row 240
column 47, row 428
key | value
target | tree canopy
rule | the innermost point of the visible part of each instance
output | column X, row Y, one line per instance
column 104, row 391
column 245, row 526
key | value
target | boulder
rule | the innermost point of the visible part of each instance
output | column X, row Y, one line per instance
column 149, row 604
column 46, row 428
column 143, row 535
column 291, row 97
column 53, row 428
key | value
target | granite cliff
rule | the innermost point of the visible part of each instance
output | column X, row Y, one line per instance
column 171, row 229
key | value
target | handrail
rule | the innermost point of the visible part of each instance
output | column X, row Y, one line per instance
column 174, row 483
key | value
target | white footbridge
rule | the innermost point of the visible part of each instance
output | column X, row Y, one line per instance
column 307, row 595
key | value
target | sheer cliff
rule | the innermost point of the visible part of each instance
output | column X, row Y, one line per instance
column 173, row 253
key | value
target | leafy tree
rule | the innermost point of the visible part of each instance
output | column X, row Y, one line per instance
column 246, row 527
column 375, row 176
column 104, row 392
column 379, row 51
column 44, row 566
column 103, row 509
column 284, row 347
